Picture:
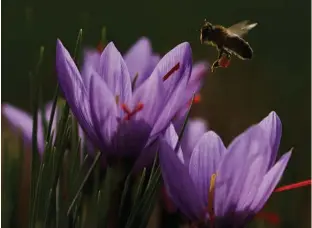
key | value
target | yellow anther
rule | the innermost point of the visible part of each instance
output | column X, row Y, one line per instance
column 211, row 196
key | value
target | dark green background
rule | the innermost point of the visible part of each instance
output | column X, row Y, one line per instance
column 278, row 78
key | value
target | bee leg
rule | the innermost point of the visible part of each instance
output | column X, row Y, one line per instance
column 221, row 51
column 215, row 65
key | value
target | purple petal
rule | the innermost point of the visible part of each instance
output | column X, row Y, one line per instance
column 203, row 163
column 253, row 179
column 115, row 73
column 103, row 111
column 172, row 139
column 92, row 57
column 244, row 164
column 147, row 156
column 22, row 122
column 182, row 55
column 273, row 129
column 194, row 130
column 197, row 76
column 150, row 94
column 155, row 60
column 138, row 58
column 73, row 89
column 180, row 186
column 148, row 71
column 177, row 99
column 91, row 62
column 269, row 183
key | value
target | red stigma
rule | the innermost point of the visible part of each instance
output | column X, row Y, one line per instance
column 224, row 61
column 130, row 113
column 293, row 186
column 173, row 69
column 197, row 99
column 100, row 47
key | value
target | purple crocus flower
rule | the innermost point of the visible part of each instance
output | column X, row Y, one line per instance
column 195, row 128
column 119, row 120
column 224, row 187
column 22, row 122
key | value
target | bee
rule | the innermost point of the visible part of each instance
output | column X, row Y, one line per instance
column 228, row 41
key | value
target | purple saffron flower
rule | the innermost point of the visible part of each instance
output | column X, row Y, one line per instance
column 119, row 120
column 225, row 187
column 141, row 61
column 22, row 122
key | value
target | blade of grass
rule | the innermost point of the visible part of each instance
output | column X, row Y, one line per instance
column 44, row 122
column 52, row 114
column 140, row 211
column 62, row 137
column 47, row 209
column 145, row 206
column 96, row 159
column 184, row 125
column 124, row 194
column 35, row 82
column 140, row 186
column 150, row 201
column 153, row 170
column 78, row 47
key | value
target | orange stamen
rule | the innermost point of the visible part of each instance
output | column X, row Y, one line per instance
column 270, row 217
column 293, row 186
column 175, row 68
column 130, row 113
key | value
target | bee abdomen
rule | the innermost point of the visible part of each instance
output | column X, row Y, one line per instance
column 239, row 46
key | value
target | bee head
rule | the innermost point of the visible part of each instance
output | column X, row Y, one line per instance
column 205, row 31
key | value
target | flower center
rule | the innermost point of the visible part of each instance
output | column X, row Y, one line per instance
column 130, row 113
column 173, row 69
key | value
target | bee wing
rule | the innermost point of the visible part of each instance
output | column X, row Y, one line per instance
column 241, row 28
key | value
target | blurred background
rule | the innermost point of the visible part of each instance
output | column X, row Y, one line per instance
column 278, row 78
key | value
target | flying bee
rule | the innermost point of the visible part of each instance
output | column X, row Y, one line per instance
column 228, row 41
